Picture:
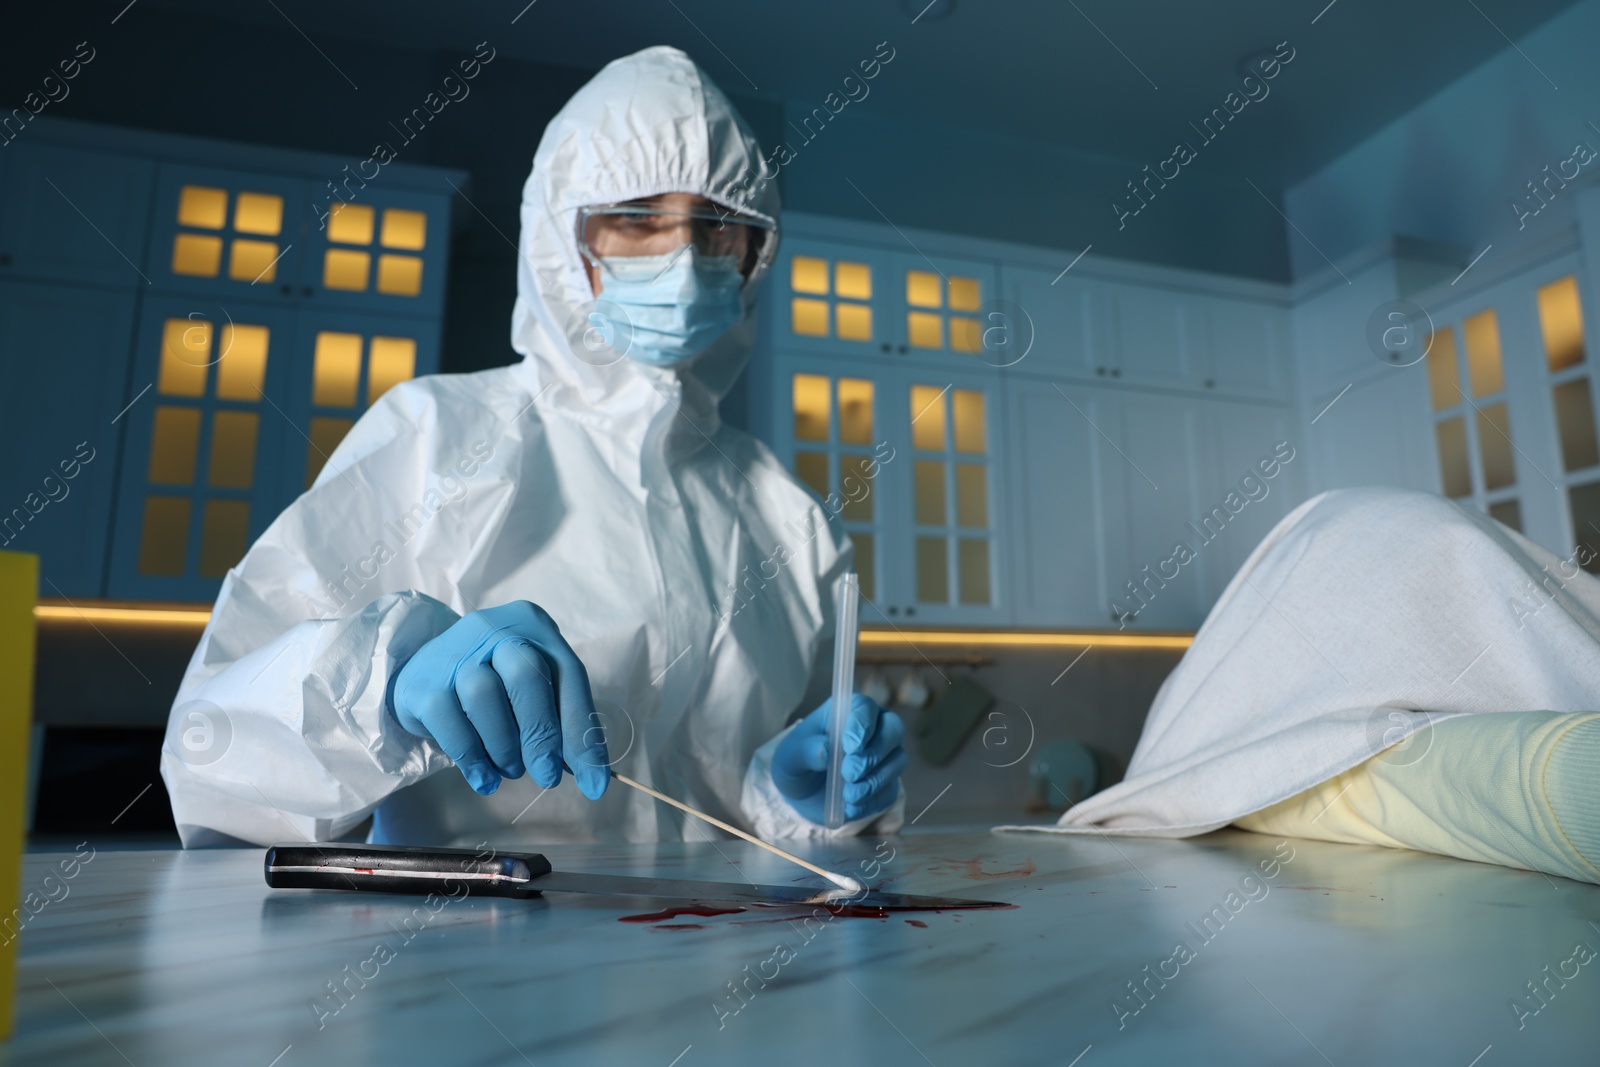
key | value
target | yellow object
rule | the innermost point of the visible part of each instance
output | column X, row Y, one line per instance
column 196, row 254
column 399, row 275
column 350, row 223
column 392, row 360
column 404, row 229
column 178, row 615
column 807, row 274
column 19, row 588
column 853, row 281
column 95, row 611
column 203, row 207
column 258, row 213
column 336, row 369
column 345, row 270
column 1513, row 788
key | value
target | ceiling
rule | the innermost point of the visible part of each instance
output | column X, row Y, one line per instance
column 1099, row 77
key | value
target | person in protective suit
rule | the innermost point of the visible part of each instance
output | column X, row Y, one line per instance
column 1387, row 668
column 537, row 567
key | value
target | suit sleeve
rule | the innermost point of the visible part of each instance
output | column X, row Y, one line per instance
column 281, row 728
column 1513, row 788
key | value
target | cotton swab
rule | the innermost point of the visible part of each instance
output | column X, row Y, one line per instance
column 843, row 881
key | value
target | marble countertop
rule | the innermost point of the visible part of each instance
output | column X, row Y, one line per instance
column 1231, row 948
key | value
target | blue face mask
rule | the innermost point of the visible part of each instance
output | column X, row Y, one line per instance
column 671, row 306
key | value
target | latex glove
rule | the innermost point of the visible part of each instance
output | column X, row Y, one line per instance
column 502, row 693
column 872, row 764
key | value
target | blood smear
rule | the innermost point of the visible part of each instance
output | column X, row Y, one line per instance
column 663, row 915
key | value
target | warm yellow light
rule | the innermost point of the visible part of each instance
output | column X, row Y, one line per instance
column 1015, row 638
column 101, row 611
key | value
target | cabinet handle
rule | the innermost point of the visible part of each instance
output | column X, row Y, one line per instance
column 287, row 290
column 1101, row 371
column 910, row 611
column 1116, row 372
column 1210, row 383
column 887, row 347
column 308, row 291
column 903, row 350
column 893, row 610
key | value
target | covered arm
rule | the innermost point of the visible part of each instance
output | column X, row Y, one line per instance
column 771, row 815
column 774, row 818
column 1521, row 789
column 281, row 727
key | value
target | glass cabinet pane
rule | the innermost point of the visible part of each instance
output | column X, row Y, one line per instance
column 855, row 488
column 1507, row 513
column 927, row 417
column 1494, row 447
column 203, row 207
column 258, row 213
column 972, row 560
column 852, row 281
column 812, row 468
column 1455, row 471
column 233, row 449
column 174, row 445
column 1444, row 383
column 808, row 274
column 336, row 369
column 811, row 407
column 164, row 538
column 242, row 362
column 185, row 355
column 1575, row 424
column 1584, row 501
column 866, row 564
column 928, row 478
column 933, row 576
column 972, row 494
column 1561, row 321
column 392, row 360
column 970, row 433
column 224, row 535
column 924, row 289
column 855, row 411
column 1484, row 371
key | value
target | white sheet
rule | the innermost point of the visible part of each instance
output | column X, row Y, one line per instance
column 1364, row 617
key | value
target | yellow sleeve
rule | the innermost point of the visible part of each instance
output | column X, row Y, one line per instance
column 1521, row 789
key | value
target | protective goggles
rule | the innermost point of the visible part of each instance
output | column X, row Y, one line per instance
column 621, row 231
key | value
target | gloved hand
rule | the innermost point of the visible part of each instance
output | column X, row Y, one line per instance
column 502, row 692
column 872, row 764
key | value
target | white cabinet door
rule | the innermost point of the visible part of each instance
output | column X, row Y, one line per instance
column 936, row 309
column 1056, row 528
column 832, row 298
column 1152, row 477
column 73, row 216
column 945, row 552
column 1140, row 330
column 1239, row 347
column 1329, row 331
column 1054, row 322
column 910, row 462
column 65, row 353
column 1253, row 477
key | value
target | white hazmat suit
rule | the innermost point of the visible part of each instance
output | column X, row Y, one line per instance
column 602, row 489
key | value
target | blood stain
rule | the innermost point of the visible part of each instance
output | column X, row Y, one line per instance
column 917, row 923
column 678, row 926
column 704, row 910
column 973, row 869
